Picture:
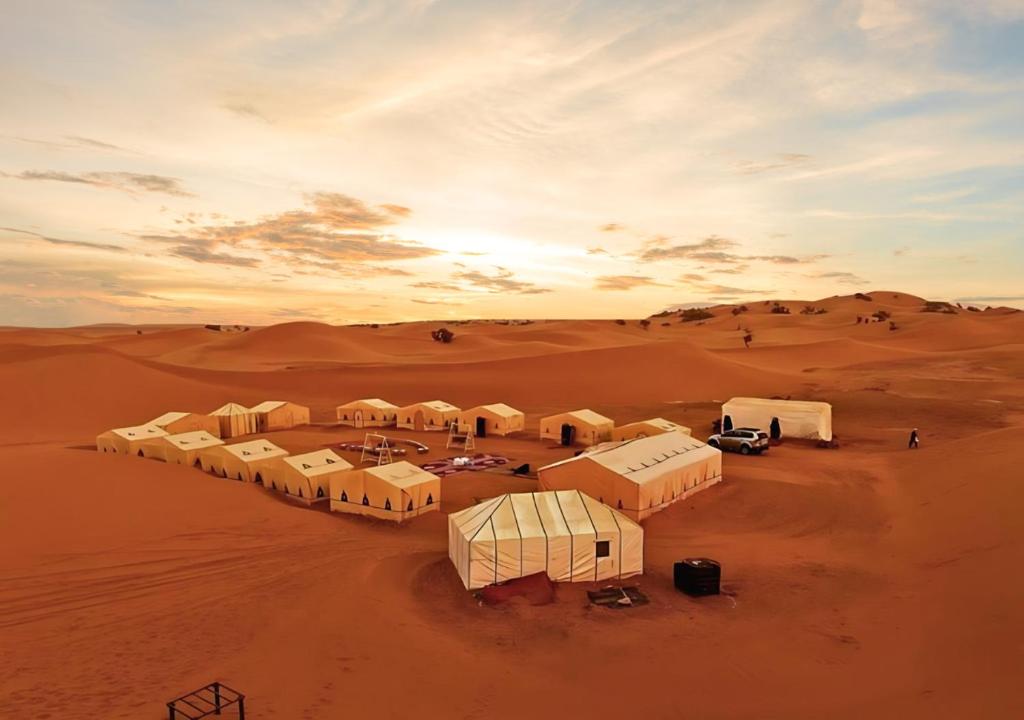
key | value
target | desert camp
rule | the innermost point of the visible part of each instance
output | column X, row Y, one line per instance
column 274, row 415
column 578, row 427
column 396, row 492
column 176, row 423
column 306, row 476
column 235, row 420
column 432, row 415
column 369, row 412
column 646, row 428
column 128, row 440
column 184, row 448
column 798, row 419
column 565, row 534
column 241, row 461
column 638, row 477
column 493, row 419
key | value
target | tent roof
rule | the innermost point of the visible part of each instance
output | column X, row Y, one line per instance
column 498, row 409
column 439, row 405
column 232, row 409
column 808, row 405
column 140, row 432
column 401, row 474
column 255, row 450
column 373, row 402
column 658, row 422
column 318, row 462
column 194, row 440
column 548, row 514
column 168, row 417
column 267, row 406
column 587, row 416
column 644, row 459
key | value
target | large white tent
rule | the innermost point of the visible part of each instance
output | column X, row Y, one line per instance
column 796, row 418
column 566, row 534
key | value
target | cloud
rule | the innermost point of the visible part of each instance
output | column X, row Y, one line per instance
column 710, row 248
column 72, row 142
column 596, row 251
column 847, row 278
column 423, row 301
column 501, row 282
column 991, row 298
column 694, row 277
column 437, row 285
column 781, row 162
column 202, row 254
column 124, row 181
column 624, row 282
column 612, row 227
column 68, row 243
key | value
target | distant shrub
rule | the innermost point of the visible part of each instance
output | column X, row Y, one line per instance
column 375, row 325
column 938, row 306
column 862, row 296
column 694, row 314
column 666, row 324
column 645, row 324
column 663, row 313
column 443, row 335
column 881, row 315
column 138, row 332
column 778, row 309
column 971, row 308
column 811, row 310
column 740, row 309
column 892, row 325
column 747, row 339
column 620, row 322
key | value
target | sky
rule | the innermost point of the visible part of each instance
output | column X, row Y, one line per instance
column 259, row 162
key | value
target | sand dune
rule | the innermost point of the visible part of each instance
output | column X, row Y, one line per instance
column 867, row 581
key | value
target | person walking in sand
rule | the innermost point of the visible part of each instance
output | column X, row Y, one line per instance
column 913, row 444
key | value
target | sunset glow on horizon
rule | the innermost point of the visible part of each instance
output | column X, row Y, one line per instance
column 395, row 161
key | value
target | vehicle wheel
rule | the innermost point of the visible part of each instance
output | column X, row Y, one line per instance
column 744, row 449
column 713, row 443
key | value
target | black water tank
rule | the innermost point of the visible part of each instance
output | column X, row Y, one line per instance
column 697, row 576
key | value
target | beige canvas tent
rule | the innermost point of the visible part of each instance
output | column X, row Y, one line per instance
column 641, row 476
column 128, row 440
column 646, row 428
column 306, row 476
column 495, row 419
column 234, row 420
column 274, row 415
column 369, row 412
column 780, row 418
column 583, row 427
column 433, row 415
column 176, row 423
column 397, row 491
column 566, row 534
column 184, row 448
column 241, row 461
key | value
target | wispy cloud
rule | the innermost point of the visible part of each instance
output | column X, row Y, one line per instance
column 124, row 181
column 779, row 162
column 66, row 243
column 625, row 282
column 847, row 278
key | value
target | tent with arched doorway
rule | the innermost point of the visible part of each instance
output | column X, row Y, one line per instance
column 368, row 412
column 396, row 491
column 809, row 420
column 128, row 440
column 494, row 419
column 306, row 476
column 234, row 420
column 184, row 448
column 272, row 415
column 176, row 423
column 578, row 427
column 641, row 476
column 241, row 461
column 567, row 534
column 647, row 428
column 432, row 415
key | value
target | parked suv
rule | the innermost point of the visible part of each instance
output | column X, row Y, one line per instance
column 741, row 440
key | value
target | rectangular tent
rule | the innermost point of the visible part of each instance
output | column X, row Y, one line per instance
column 397, row 491
column 241, row 461
column 235, row 420
column 585, row 427
column 494, row 419
column 274, row 415
column 128, row 440
column 646, row 428
column 184, row 448
column 432, row 415
column 369, row 412
column 795, row 418
column 567, row 534
column 176, row 423
column 638, row 477
column 306, row 476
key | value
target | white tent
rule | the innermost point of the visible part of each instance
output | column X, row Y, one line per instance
column 797, row 418
column 566, row 534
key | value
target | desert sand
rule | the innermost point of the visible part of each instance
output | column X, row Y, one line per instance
column 866, row 581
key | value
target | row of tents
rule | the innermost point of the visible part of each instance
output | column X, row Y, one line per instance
column 395, row 492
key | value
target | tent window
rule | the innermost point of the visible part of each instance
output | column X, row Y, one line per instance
column 319, row 492
column 409, row 508
column 344, row 496
column 373, row 417
column 344, row 417
column 620, row 505
column 329, row 461
column 300, row 492
column 273, row 485
column 430, row 499
column 387, row 504
column 407, row 421
column 603, row 548
column 306, row 466
column 366, row 500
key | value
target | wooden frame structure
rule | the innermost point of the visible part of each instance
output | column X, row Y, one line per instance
column 379, row 454
column 461, row 435
column 206, row 701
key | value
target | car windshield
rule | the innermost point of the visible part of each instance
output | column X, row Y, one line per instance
column 763, row 436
